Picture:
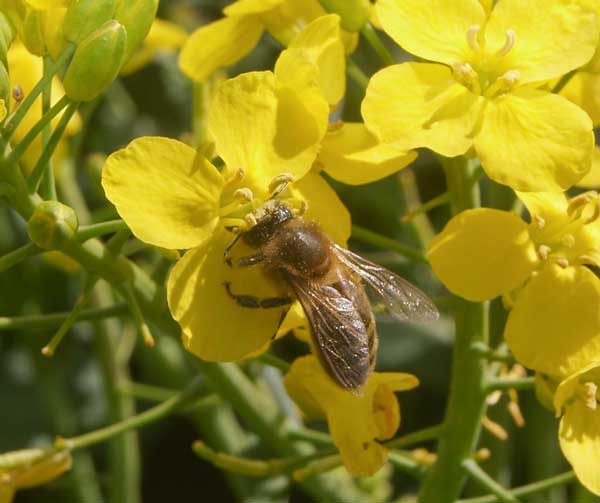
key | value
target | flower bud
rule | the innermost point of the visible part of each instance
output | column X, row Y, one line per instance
column 353, row 13
column 4, row 86
column 32, row 35
column 136, row 16
column 86, row 16
column 6, row 36
column 96, row 62
column 52, row 225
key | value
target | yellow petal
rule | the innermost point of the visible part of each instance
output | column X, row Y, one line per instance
column 584, row 90
column 419, row 105
column 554, row 326
column 219, row 44
column 318, row 44
column 246, row 7
column 352, row 155
column 435, row 30
column 551, row 206
column 163, row 37
column 167, row 195
column 324, row 207
column 579, row 436
column 592, row 179
column 266, row 128
column 563, row 37
column 286, row 20
column 573, row 387
column 215, row 327
column 355, row 421
column 483, row 253
column 532, row 140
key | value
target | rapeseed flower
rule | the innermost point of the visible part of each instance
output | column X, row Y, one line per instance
column 484, row 90
column 356, row 422
column 226, row 41
column 539, row 268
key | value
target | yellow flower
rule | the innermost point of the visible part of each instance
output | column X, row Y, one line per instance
column 226, row 41
column 576, row 400
column 485, row 93
column 26, row 70
column 174, row 198
column 163, row 37
column 349, row 152
column 357, row 422
column 554, row 324
column 30, row 468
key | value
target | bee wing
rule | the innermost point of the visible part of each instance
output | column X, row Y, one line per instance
column 338, row 332
column 401, row 299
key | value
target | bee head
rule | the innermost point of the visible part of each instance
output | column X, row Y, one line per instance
column 270, row 217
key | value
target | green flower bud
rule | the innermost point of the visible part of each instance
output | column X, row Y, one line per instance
column 96, row 62
column 33, row 34
column 354, row 13
column 4, row 85
column 6, row 36
column 86, row 16
column 52, row 225
column 136, row 16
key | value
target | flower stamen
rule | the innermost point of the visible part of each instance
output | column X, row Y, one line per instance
column 511, row 38
column 590, row 395
column 472, row 34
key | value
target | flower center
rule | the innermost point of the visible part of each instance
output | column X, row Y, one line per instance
column 486, row 73
column 567, row 240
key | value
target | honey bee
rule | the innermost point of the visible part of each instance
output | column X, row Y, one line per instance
column 333, row 285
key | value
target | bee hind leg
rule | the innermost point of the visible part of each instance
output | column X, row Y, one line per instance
column 252, row 302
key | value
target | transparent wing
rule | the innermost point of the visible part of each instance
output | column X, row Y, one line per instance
column 401, row 299
column 338, row 332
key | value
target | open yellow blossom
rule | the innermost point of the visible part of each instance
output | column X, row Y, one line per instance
column 228, row 40
column 174, row 198
column 484, row 94
column 25, row 70
column 357, row 422
column 554, row 324
column 576, row 400
column 163, row 37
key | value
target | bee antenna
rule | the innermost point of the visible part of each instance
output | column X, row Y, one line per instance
column 231, row 245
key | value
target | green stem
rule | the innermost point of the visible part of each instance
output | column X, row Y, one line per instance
column 356, row 74
column 52, row 70
column 437, row 201
column 45, row 321
column 370, row 237
column 147, row 391
column 466, row 403
column 42, row 171
column 495, row 355
column 487, row 482
column 86, row 232
column 528, row 489
column 152, row 415
column 49, row 187
column 522, row 383
column 20, row 149
column 415, row 437
column 375, row 42
column 16, row 256
column 274, row 361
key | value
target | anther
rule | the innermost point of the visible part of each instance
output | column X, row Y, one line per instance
column 472, row 33
column 236, row 177
column 587, row 260
column 509, row 79
column 581, row 200
column 590, row 395
column 562, row 262
column 423, row 456
column 494, row 428
column 482, row 454
column 280, row 180
column 464, row 73
column 250, row 220
column 511, row 38
column 568, row 240
column 544, row 251
column 595, row 213
column 243, row 195
column 539, row 221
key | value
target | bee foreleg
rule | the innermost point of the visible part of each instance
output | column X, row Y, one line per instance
column 249, row 260
column 252, row 302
